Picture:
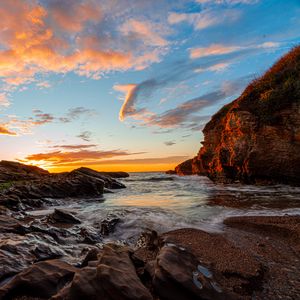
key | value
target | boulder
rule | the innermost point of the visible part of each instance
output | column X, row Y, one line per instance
column 178, row 275
column 63, row 216
column 43, row 280
column 111, row 277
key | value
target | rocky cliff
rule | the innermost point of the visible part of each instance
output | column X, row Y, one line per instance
column 256, row 138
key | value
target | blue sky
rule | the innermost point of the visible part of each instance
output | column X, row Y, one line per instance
column 128, row 84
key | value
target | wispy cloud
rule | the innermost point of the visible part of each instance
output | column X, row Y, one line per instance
column 170, row 143
column 20, row 126
column 206, row 18
column 219, row 49
column 75, row 147
column 77, row 112
column 85, row 135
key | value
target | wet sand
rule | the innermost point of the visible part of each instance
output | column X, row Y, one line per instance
column 255, row 257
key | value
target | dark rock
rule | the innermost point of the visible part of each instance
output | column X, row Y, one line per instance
column 109, row 224
column 13, row 171
column 45, row 252
column 92, row 255
column 63, row 216
column 31, row 193
column 109, row 181
column 179, row 275
column 171, row 172
column 111, row 277
column 43, row 279
column 90, row 236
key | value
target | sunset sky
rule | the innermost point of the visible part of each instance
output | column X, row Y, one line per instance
column 128, row 84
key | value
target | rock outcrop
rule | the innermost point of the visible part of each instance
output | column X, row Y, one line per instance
column 30, row 186
column 256, row 138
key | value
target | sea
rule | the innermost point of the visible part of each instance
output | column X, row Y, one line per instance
column 161, row 202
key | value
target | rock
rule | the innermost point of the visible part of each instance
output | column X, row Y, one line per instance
column 256, row 138
column 63, row 216
column 111, row 277
column 171, row 172
column 33, row 192
column 90, row 236
column 178, row 275
column 13, row 171
column 109, row 224
column 18, row 252
column 43, row 280
column 184, row 168
column 109, row 181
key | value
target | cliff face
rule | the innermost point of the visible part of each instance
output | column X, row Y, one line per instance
column 256, row 138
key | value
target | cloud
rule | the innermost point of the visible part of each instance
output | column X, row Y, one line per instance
column 228, row 2
column 178, row 72
column 206, row 18
column 219, row 49
column 5, row 131
column 4, row 101
column 75, row 147
column 151, row 33
column 83, row 36
column 22, row 126
column 214, row 49
column 169, row 143
column 74, row 156
column 134, row 161
column 181, row 115
column 85, row 136
column 188, row 114
column 77, row 112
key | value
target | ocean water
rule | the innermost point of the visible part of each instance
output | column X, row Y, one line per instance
column 163, row 202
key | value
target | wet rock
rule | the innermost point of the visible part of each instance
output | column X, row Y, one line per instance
column 9, row 224
column 111, row 277
column 43, row 279
column 44, row 252
column 109, row 181
column 109, row 224
column 34, row 192
column 90, row 236
column 178, row 275
column 18, row 252
column 63, row 216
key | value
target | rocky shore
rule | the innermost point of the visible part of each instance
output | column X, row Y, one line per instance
column 256, row 138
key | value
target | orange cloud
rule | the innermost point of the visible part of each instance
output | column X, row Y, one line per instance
column 66, row 36
column 5, row 131
column 215, row 49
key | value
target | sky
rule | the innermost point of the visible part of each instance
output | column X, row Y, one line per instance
column 128, row 84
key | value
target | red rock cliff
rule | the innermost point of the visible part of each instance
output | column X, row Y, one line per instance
column 256, row 138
